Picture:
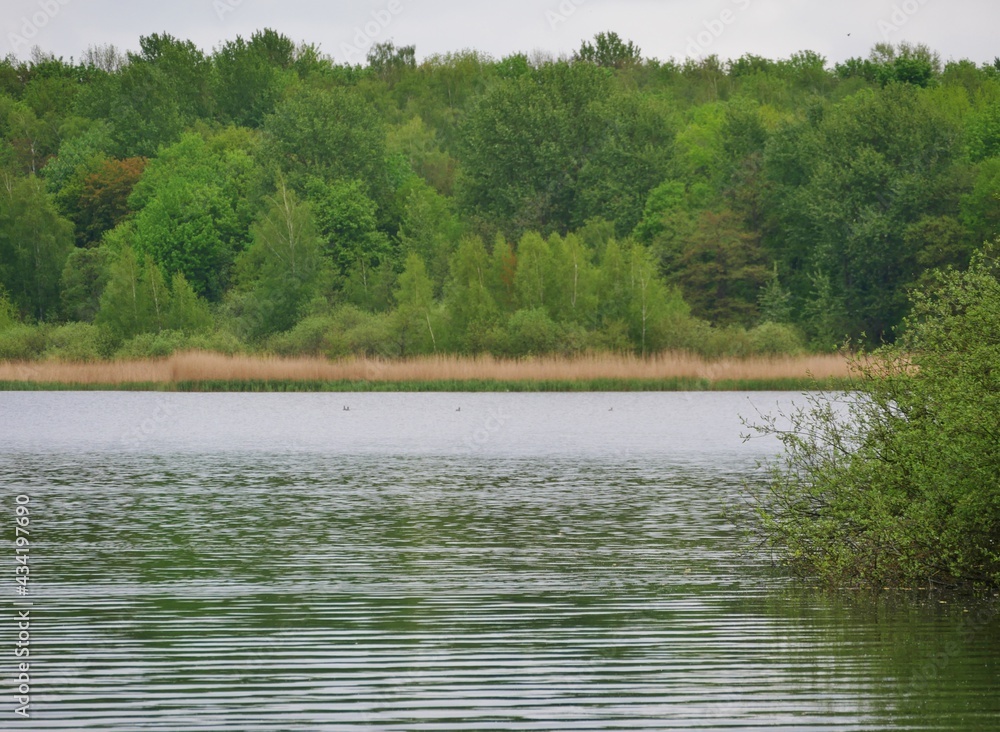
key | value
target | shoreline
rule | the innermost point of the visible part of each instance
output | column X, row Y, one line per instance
column 211, row 372
column 319, row 387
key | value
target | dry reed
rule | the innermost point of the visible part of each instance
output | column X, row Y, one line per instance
column 201, row 367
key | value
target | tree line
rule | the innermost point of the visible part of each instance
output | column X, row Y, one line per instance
column 263, row 197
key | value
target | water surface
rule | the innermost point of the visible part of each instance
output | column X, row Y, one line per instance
column 443, row 562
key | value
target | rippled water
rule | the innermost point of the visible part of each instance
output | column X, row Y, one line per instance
column 442, row 562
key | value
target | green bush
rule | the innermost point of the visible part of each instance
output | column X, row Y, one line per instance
column 613, row 337
column 347, row 331
column 8, row 314
column 359, row 333
column 776, row 339
column 219, row 341
column 897, row 484
column 77, row 342
column 23, row 342
column 311, row 337
column 532, row 333
column 734, row 341
column 153, row 345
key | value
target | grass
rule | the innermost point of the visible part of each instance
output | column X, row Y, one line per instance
column 198, row 371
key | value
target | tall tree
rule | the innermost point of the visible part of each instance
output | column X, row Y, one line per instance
column 470, row 305
column 250, row 76
column 34, row 243
column 332, row 135
column 283, row 270
column 608, row 49
column 414, row 295
column 195, row 204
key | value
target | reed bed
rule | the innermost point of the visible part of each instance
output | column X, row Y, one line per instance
column 202, row 368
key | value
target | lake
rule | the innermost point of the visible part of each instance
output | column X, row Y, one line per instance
column 441, row 562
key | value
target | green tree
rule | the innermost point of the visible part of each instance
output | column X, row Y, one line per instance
column 573, row 281
column 420, row 146
column 533, row 279
column 844, row 188
column 136, row 299
column 143, row 106
column 186, row 312
column 412, row 322
column 720, row 269
column 652, row 304
column 981, row 206
column 250, row 76
column 389, row 63
column 550, row 150
column 329, row 134
column 195, row 204
column 34, row 243
column 347, row 220
column 282, row 271
column 430, row 228
column 84, row 278
column 608, row 49
column 898, row 485
column 471, row 308
column 502, row 274
column 87, row 149
column 531, row 332
column 525, row 143
column 775, row 301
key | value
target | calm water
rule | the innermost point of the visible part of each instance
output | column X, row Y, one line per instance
column 440, row 562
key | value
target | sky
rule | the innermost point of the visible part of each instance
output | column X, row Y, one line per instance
column 837, row 29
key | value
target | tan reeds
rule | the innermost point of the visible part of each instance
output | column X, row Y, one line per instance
column 198, row 366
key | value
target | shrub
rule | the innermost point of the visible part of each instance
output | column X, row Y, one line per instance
column 153, row 345
column 899, row 483
column 776, row 339
column 8, row 314
column 310, row 337
column 359, row 333
column 23, row 342
column 219, row 341
column 532, row 333
column 77, row 342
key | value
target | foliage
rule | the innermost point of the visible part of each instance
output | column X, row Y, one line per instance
column 22, row 343
column 538, row 148
column 250, row 76
column 897, row 483
column 608, row 49
column 412, row 326
column 77, row 343
column 83, row 280
column 34, row 243
column 331, row 135
column 725, row 206
column 194, row 207
column 137, row 300
column 283, row 270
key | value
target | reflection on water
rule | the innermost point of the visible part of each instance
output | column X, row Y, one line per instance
column 533, row 562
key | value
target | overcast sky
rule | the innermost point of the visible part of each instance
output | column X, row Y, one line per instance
column 838, row 29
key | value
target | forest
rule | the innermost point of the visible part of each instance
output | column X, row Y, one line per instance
column 262, row 198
